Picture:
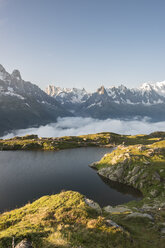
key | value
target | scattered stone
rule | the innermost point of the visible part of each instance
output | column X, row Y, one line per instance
column 133, row 179
column 141, row 148
column 146, row 162
column 117, row 209
column 114, row 224
column 24, row 244
column 157, row 150
column 154, row 192
column 156, row 176
column 139, row 215
column 135, row 170
column 141, row 185
column 93, row 205
column 162, row 230
column 93, row 165
column 119, row 171
column 144, row 175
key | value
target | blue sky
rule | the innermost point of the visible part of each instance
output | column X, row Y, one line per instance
column 84, row 43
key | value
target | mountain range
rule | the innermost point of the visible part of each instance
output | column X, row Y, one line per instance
column 23, row 104
column 113, row 102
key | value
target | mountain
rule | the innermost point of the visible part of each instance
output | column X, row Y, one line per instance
column 71, row 99
column 23, row 104
column 114, row 102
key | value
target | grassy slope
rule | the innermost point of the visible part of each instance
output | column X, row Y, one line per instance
column 65, row 220
column 62, row 220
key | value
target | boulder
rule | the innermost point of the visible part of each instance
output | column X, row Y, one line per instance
column 117, row 209
column 114, row 224
column 24, row 244
column 135, row 170
column 119, row 171
column 139, row 215
column 154, row 192
column 133, row 179
column 156, row 176
column 93, row 205
column 163, row 230
column 142, row 148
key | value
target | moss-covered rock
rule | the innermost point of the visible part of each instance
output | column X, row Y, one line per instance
column 142, row 167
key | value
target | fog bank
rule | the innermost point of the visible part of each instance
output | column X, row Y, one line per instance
column 72, row 126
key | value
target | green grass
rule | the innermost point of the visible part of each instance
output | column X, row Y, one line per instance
column 62, row 220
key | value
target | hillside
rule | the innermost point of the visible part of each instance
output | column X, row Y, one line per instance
column 105, row 139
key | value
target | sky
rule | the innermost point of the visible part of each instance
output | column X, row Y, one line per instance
column 84, row 43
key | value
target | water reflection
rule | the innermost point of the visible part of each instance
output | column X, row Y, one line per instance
column 28, row 175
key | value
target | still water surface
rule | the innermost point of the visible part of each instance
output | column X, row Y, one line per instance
column 28, row 175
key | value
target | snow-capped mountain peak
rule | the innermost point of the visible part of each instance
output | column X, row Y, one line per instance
column 147, row 94
column 146, row 87
column 158, row 87
column 71, row 95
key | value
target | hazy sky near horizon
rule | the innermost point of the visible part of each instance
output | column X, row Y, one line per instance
column 84, row 43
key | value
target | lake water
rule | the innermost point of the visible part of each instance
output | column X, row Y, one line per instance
column 27, row 175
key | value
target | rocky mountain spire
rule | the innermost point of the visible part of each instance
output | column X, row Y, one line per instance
column 101, row 90
column 4, row 75
column 16, row 74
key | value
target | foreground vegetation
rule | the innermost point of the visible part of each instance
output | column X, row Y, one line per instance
column 69, row 220
column 62, row 220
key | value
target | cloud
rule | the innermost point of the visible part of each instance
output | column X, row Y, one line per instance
column 72, row 126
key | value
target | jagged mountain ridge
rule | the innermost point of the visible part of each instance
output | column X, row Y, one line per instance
column 23, row 104
column 114, row 102
column 147, row 94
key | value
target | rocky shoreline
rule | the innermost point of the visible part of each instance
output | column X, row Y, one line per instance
column 142, row 167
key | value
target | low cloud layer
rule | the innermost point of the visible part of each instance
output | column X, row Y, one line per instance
column 77, row 126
